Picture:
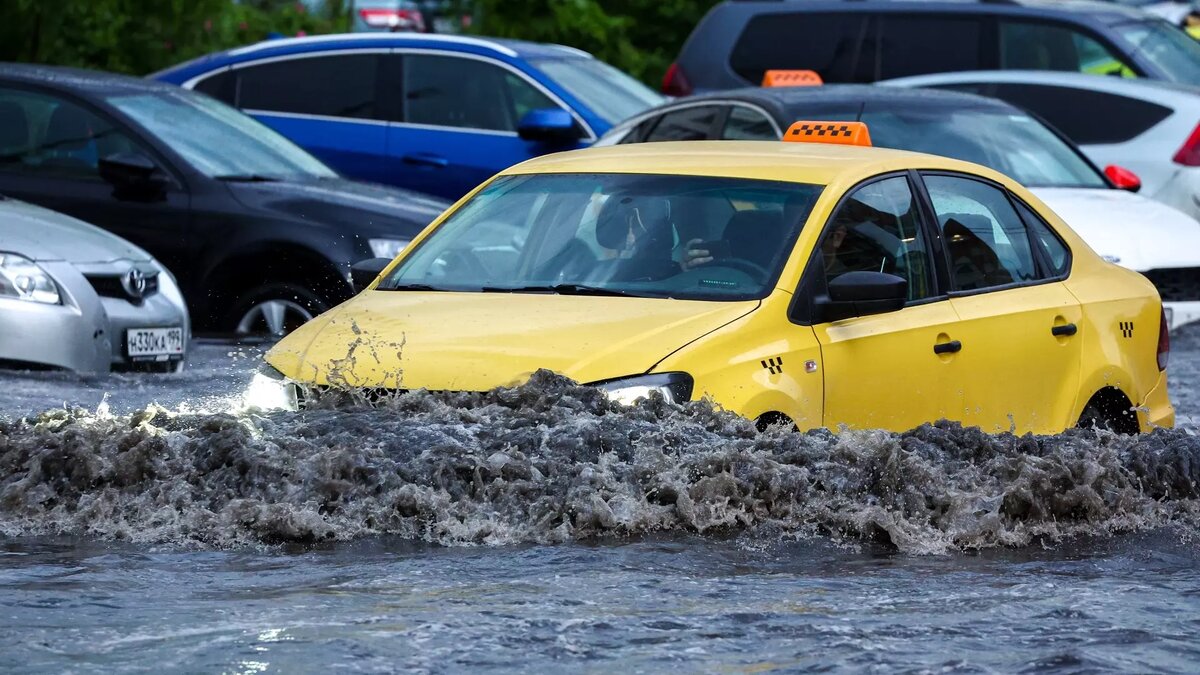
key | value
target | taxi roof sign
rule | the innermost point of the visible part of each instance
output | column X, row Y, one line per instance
column 792, row 78
column 834, row 133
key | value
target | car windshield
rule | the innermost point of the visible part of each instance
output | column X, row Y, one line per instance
column 1008, row 141
column 614, row 234
column 1174, row 52
column 217, row 140
column 608, row 92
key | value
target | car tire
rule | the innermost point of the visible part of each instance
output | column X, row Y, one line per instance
column 273, row 310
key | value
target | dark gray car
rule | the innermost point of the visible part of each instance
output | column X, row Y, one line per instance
column 736, row 42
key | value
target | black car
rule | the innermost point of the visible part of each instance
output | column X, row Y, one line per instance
column 259, row 233
column 871, row 40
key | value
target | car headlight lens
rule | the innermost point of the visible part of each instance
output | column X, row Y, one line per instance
column 22, row 279
column 269, row 390
column 387, row 248
column 675, row 387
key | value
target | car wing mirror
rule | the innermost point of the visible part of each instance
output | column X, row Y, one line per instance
column 862, row 294
column 134, row 176
column 1122, row 178
column 363, row 272
column 548, row 125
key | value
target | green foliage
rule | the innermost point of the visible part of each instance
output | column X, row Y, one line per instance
column 141, row 36
column 641, row 37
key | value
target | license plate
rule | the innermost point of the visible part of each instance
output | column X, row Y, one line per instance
column 157, row 343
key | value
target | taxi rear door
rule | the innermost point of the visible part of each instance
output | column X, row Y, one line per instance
column 892, row 370
column 1019, row 356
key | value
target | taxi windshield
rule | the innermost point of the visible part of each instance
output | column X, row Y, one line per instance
column 684, row 237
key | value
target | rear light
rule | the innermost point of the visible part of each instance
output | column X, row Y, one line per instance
column 675, row 82
column 394, row 19
column 1189, row 154
column 1164, row 341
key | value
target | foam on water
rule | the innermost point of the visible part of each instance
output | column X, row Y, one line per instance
column 551, row 462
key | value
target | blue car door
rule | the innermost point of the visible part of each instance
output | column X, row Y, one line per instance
column 456, row 118
column 326, row 103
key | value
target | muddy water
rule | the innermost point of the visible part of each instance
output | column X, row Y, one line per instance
column 542, row 527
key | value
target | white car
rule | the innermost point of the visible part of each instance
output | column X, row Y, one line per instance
column 75, row 297
column 1151, row 128
column 1145, row 235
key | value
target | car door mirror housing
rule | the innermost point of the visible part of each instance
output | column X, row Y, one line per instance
column 134, row 176
column 363, row 272
column 862, row 294
column 548, row 125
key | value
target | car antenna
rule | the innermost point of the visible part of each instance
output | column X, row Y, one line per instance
column 861, row 108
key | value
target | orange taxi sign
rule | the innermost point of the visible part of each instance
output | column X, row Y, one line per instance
column 792, row 78
column 835, row 133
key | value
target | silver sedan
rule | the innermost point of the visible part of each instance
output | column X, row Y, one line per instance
column 76, row 297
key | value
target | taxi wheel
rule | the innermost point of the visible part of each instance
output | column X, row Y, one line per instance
column 273, row 310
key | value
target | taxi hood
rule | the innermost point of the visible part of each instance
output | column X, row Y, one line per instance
column 478, row 341
column 1128, row 229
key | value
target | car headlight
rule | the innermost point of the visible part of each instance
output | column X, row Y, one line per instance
column 387, row 248
column 22, row 279
column 269, row 390
column 675, row 387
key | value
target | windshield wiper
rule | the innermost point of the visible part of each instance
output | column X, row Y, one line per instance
column 561, row 289
column 411, row 287
column 247, row 178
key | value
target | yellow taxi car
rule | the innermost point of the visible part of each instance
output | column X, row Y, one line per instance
column 820, row 283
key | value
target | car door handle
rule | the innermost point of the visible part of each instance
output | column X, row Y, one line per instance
column 950, row 347
column 1065, row 330
column 424, row 159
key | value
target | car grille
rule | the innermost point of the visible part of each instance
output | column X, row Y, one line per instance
column 308, row 393
column 1180, row 284
column 113, row 286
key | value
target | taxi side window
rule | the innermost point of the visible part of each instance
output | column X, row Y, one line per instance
column 985, row 239
column 878, row 229
column 47, row 136
column 747, row 124
column 689, row 124
column 1057, row 256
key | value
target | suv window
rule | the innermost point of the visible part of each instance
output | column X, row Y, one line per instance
column 878, row 229
column 342, row 85
column 748, row 124
column 48, row 136
column 1123, row 118
column 825, row 42
column 222, row 86
column 986, row 240
column 451, row 91
column 919, row 44
column 689, row 124
column 1026, row 45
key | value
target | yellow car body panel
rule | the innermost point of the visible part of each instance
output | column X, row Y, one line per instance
column 876, row 371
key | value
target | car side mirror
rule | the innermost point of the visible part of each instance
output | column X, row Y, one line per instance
column 548, row 125
column 862, row 294
column 363, row 272
column 134, row 176
column 1123, row 178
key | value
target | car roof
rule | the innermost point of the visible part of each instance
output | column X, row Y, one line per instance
column 1082, row 10
column 1134, row 87
column 80, row 80
column 786, row 98
column 812, row 163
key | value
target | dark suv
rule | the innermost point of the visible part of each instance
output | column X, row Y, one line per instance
column 871, row 40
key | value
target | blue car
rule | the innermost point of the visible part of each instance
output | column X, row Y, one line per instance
column 429, row 112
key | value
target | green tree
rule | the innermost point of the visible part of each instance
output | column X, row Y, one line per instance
column 641, row 37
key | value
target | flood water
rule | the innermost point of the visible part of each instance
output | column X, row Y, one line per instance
column 540, row 528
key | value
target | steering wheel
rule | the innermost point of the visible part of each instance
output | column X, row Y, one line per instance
column 754, row 270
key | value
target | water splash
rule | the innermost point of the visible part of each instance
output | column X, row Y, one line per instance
column 551, row 461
